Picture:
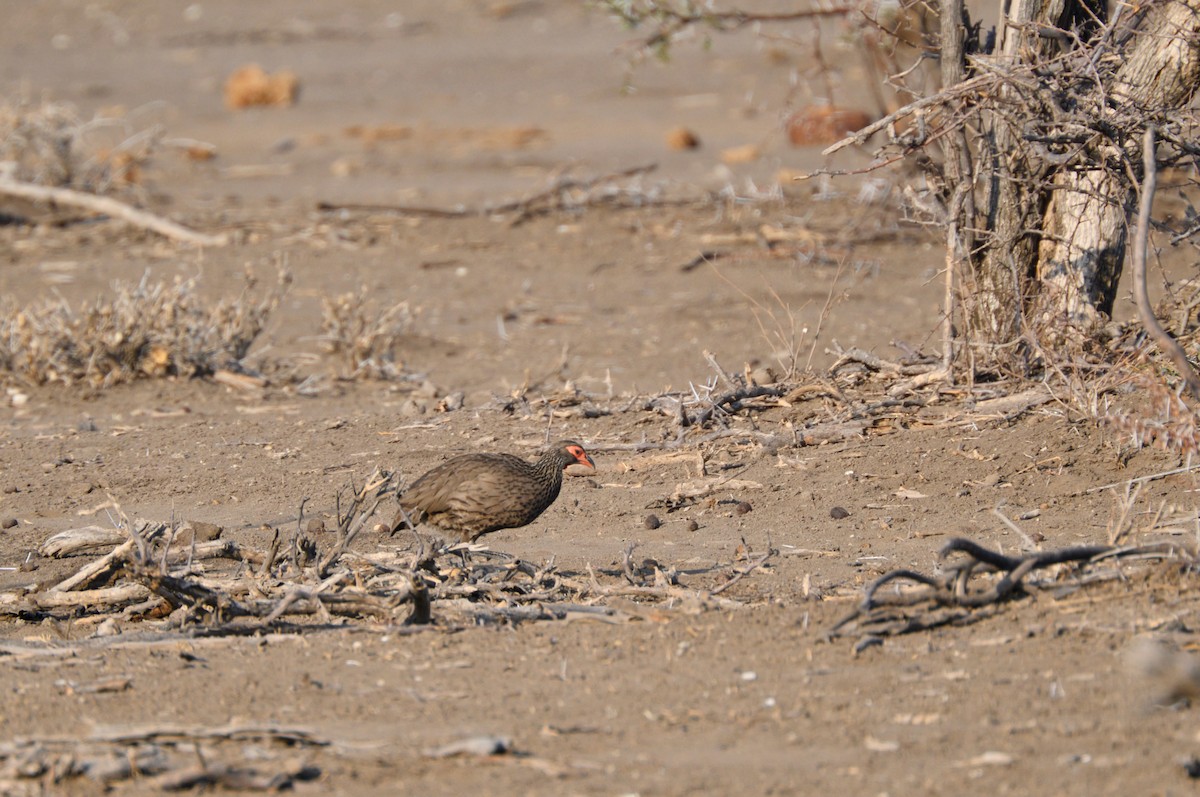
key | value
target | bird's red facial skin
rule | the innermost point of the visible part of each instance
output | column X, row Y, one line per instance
column 582, row 456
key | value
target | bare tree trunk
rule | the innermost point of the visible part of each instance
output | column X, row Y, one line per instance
column 1081, row 252
column 1058, row 232
column 1011, row 204
column 1086, row 224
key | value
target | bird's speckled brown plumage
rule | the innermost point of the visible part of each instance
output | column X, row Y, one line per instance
column 474, row 494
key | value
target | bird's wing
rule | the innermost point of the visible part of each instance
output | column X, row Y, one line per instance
column 431, row 493
column 488, row 492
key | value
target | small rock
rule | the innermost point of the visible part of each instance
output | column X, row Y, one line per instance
column 315, row 526
column 743, row 507
column 839, row 513
column 413, row 408
column 473, row 746
column 107, row 628
column 451, row 402
column 345, row 167
column 8, row 523
column 692, row 525
column 763, row 376
column 680, row 138
column 651, row 522
column 747, row 153
column 203, row 532
column 250, row 85
column 815, row 125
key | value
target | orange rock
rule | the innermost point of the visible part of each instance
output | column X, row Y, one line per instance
column 200, row 152
column 746, row 153
column 680, row 138
column 823, row 124
column 250, row 86
column 372, row 133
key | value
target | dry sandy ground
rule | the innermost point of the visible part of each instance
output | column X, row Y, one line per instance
column 680, row 699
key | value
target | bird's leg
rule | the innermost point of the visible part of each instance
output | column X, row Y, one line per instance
column 423, row 558
column 406, row 522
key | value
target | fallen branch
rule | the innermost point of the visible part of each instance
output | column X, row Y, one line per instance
column 1140, row 298
column 130, row 734
column 99, row 572
column 90, row 599
column 950, row 596
column 109, row 207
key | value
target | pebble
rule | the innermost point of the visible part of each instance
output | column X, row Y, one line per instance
column 838, row 513
column 413, row 408
column 107, row 628
column 680, row 138
column 201, row 531
column 743, row 507
column 315, row 526
column 692, row 525
column 451, row 402
column 473, row 746
column 651, row 522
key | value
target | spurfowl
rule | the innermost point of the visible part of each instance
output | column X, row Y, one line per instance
column 474, row 494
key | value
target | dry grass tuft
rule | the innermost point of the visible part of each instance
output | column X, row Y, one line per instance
column 1168, row 423
column 365, row 337
column 50, row 145
column 151, row 329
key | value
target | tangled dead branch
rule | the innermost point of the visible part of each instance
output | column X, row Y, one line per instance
column 953, row 598
column 566, row 193
column 146, row 577
column 163, row 758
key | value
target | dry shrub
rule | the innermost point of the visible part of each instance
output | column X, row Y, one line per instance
column 1154, row 410
column 151, row 329
column 51, row 145
column 365, row 336
column 1165, row 421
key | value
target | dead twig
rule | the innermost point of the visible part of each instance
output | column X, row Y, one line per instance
column 950, row 596
column 1140, row 297
column 109, row 207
